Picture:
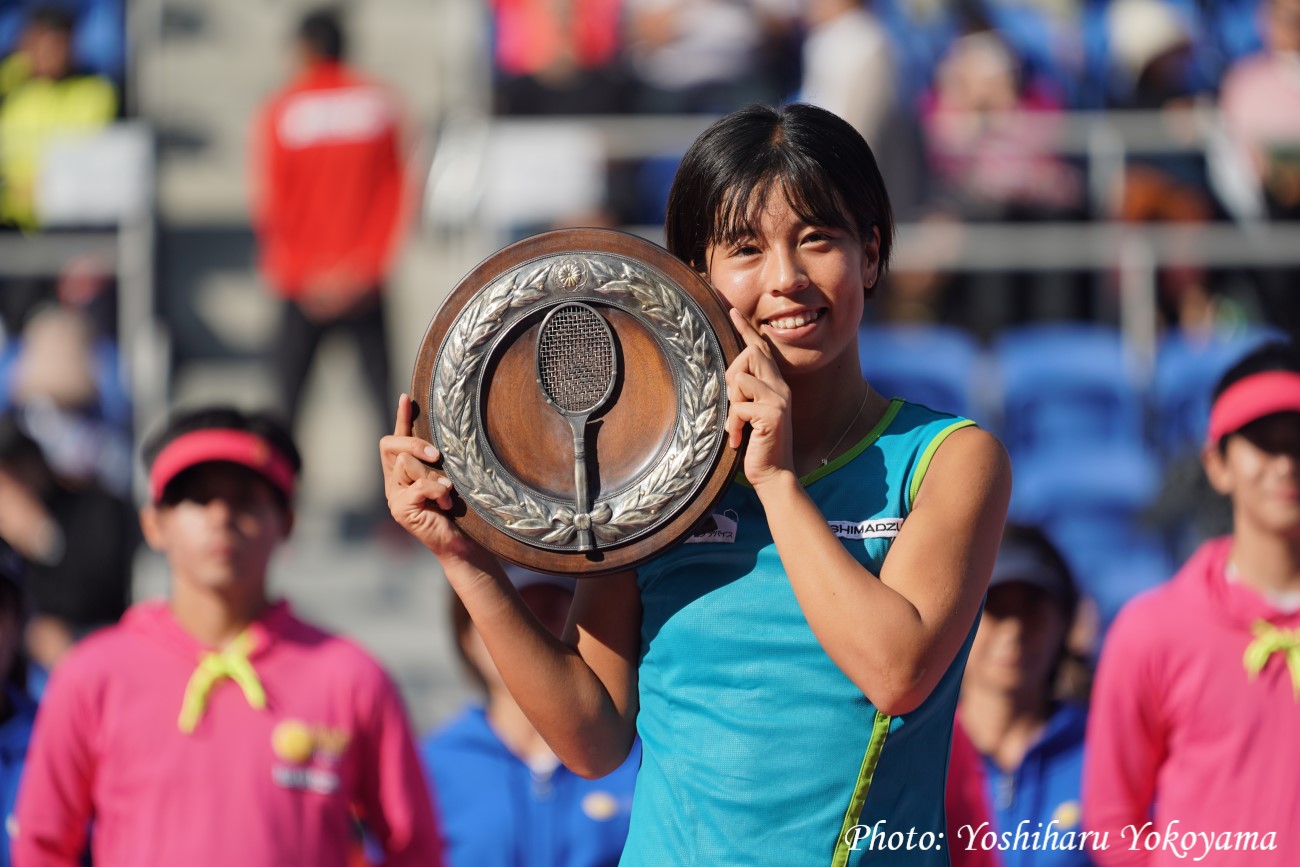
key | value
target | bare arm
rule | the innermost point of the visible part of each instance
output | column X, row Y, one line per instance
column 579, row 692
column 894, row 637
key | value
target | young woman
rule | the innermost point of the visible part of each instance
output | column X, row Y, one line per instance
column 795, row 689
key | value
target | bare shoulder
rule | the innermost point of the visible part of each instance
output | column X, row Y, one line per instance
column 970, row 461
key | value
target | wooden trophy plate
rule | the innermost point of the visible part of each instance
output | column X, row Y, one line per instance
column 489, row 395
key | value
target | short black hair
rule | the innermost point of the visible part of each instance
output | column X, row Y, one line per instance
column 52, row 17
column 822, row 164
column 264, row 424
column 1281, row 355
column 322, row 31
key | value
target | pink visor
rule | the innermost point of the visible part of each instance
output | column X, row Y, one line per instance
column 1251, row 399
column 221, row 445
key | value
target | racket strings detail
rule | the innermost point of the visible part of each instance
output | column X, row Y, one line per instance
column 575, row 359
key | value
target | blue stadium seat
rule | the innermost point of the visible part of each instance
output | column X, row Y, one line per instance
column 1066, row 385
column 1186, row 371
column 654, row 177
column 1113, row 585
column 933, row 365
column 1089, row 500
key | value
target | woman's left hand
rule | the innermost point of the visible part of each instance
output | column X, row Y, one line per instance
column 759, row 397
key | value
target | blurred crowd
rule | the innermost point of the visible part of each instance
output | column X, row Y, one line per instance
column 961, row 100
column 964, row 103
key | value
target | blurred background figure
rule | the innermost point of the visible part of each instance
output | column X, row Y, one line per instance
column 711, row 55
column 63, row 382
column 77, row 540
column 848, row 65
column 1154, row 48
column 1022, row 697
column 503, row 797
column 1261, row 107
column 560, row 57
column 1261, row 110
column 989, row 133
column 43, row 96
column 17, row 710
column 329, row 176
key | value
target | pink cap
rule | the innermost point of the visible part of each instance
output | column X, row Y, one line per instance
column 221, row 445
column 1251, row 399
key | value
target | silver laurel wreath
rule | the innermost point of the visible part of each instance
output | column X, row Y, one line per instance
column 686, row 336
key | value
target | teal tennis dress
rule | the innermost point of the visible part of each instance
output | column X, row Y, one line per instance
column 757, row 749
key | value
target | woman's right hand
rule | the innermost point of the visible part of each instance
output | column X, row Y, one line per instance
column 419, row 496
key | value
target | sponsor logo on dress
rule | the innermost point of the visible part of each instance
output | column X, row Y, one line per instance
column 718, row 528
column 876, row 528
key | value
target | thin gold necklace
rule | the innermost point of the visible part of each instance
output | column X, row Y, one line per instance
column 854, row 421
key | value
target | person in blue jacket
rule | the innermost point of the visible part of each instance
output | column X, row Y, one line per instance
column 1015, row 709
column 17, row 710
column 504, row 799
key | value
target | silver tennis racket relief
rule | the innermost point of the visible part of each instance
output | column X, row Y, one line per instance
column 576, row 370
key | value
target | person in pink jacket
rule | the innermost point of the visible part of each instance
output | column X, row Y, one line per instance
column 216, row 728
column 1193, row 745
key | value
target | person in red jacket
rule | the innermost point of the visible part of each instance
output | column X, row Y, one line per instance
column 329, row 195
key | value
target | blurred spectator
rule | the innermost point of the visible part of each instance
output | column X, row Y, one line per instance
column 215, row 727
column 503, row 797
column 558, row 56
column 1030, row 736
column 330, row 199
column 848, row 67
column 1152, row 43
column 704, row 55
column 98, row 32
column 77, row 539
column 17, row 710
column 42, row 97
column 64, row 385
column 1261, row 110
column 990, row 138
column 1197, row 699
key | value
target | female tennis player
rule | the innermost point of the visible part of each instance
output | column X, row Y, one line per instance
column 794, row 686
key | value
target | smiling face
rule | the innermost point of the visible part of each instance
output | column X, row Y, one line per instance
column 801, row 285
column 218, row 526
column 1259, row 468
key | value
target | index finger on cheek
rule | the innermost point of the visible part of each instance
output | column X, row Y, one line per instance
column 744, row 329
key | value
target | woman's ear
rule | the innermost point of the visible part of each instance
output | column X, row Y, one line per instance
column 871, row 261
column 151, row 526
column 1217, row 471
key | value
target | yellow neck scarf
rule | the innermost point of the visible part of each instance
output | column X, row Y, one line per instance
column 1269, row 640
column 213, row 667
